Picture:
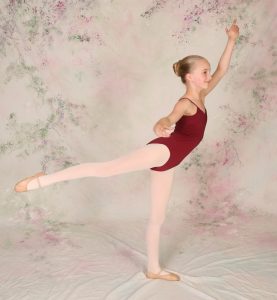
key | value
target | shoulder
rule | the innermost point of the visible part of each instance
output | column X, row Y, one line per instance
column 185, row 104
column 188, row 107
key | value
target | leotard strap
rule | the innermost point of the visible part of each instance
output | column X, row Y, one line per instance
column 193, row 103
column 188, row 99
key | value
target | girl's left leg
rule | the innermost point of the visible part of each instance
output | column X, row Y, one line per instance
column 148, row 156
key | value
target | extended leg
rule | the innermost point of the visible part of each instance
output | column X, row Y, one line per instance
column 143, row 158
column 161, row 183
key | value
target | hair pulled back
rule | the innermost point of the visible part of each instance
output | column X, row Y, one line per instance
column 184, row 66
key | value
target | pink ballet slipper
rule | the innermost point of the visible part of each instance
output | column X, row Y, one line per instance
column 21, row 186
column 170, row 276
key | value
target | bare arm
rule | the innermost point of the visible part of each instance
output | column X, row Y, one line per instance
column 225, row 59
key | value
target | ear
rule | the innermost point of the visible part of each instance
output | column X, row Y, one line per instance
column 188, row 76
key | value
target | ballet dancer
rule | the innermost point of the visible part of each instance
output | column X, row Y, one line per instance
column 178, row 134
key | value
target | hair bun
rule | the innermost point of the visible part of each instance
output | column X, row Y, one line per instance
column 176, row 67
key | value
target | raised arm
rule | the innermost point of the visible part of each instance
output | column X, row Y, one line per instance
column 224, row 61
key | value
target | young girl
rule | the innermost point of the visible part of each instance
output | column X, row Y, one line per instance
column 162, row 154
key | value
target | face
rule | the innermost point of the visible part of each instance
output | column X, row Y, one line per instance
column 201, row 73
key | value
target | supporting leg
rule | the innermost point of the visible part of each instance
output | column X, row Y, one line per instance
column 161, row 183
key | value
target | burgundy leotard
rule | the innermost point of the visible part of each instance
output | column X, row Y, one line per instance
column 188, row 133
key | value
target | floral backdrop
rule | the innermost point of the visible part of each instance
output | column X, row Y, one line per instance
column 86, row 81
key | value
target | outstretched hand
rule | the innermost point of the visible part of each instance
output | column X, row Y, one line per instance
column 233, row 31
column 163, row 130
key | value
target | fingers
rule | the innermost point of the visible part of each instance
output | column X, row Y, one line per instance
column 164, row 127
column 234, row 25
column 166, row 131
column 163, row 134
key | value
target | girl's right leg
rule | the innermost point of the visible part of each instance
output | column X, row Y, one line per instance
column 152, row 155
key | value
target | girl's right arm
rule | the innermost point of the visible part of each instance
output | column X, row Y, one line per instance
column 165, row 126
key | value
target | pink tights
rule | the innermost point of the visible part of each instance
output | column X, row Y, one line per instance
column 151, row 155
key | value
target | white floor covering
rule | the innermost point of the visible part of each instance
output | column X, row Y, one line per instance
column 106, row 260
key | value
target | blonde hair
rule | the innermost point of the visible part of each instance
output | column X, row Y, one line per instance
column 184, row 66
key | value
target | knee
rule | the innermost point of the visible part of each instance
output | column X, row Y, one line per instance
column 157, row 222
column 103, row 169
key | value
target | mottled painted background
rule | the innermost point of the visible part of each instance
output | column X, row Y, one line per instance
column 86, row 81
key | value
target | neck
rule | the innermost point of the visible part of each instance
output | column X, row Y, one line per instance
column 192, row 94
